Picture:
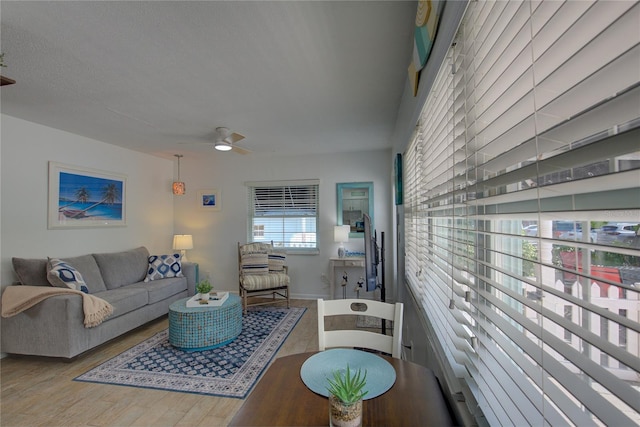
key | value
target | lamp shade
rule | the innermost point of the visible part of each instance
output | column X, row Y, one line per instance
column 182, row 241
column 341, row 233
column 179, row 188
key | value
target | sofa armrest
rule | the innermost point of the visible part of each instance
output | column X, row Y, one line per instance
column 192, row 273
column 50, row 328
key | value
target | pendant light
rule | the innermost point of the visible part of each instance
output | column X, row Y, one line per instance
column 178, row 186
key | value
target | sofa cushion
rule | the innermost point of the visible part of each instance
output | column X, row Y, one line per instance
column 123, row 268
column 62, row 275
column 124, row 299
column 31, row 272
column 161, row 289
column 87, row 266
column 163, row 267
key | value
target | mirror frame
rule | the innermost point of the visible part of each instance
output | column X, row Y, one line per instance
column 354, row 185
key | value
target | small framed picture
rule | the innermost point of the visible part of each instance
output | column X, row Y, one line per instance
column 209, row 199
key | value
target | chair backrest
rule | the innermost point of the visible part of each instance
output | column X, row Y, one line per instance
column 358, row 337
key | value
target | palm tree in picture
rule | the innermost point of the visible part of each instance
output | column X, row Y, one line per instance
column 82, row 196
column 110, row 195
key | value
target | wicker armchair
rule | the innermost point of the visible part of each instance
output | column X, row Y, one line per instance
column 262, row 272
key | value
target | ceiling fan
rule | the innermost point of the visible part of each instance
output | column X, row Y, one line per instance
column 225, row 141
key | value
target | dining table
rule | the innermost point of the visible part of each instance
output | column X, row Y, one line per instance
column 281, row 398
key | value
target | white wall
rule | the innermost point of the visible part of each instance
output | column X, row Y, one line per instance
column 216, row 234
column 154, row 214
column 25, row 150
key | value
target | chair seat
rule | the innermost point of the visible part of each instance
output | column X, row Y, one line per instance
column 254, row 282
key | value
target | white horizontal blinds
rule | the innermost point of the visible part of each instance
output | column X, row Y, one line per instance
column 285, row 214
column 533, row 119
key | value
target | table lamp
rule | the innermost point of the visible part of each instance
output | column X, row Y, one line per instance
column 183, row 242
column 341, row 235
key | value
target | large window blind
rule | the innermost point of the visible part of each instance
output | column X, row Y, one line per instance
column 522, row 205
column 285, row 212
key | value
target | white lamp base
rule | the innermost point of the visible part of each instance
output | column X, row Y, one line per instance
column 341, row 252
column 183, row 253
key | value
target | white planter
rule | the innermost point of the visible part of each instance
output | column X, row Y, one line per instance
column 204, row 297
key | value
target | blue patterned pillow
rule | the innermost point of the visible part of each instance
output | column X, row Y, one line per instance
column 164, row 266
column 62, row 275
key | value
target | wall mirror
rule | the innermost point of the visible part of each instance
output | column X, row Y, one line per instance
column 354, row 200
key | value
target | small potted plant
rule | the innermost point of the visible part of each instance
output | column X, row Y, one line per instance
column 203, row 288
column 345, row 398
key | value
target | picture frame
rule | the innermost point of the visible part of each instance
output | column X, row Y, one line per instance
column 81, row 197
column 209, row 199
column 353, row 200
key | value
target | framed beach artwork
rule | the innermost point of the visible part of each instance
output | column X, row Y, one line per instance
column 81, row 197
column 209, row 199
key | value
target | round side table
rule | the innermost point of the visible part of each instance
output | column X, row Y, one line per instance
column 204, row 328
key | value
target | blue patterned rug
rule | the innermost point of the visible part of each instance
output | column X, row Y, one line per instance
column 228, row 371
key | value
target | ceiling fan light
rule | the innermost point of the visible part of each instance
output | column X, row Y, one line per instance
column 223, row 146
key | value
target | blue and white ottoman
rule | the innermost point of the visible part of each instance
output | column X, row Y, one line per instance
column 204, row 328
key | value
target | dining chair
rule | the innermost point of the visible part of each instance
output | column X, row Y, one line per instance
column 358, row 337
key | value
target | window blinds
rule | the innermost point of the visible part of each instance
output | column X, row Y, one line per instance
column 533, row 120
column 285, row 213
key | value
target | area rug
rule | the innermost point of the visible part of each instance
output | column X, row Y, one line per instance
column 228, row 371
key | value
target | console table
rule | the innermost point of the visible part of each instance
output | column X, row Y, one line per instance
column 336, row 263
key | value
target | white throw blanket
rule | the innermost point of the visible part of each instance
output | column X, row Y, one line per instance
column 17, row 299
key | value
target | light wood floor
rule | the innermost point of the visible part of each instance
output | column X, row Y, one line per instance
column 41, row 392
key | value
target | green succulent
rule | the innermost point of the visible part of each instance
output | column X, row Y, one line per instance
column 204, row 287
column 348, row 387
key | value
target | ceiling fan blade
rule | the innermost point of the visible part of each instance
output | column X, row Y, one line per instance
column 240, row 150
column 235, row 137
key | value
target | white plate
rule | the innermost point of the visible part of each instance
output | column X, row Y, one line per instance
column 318, row 368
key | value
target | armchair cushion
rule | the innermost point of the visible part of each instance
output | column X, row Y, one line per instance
column 254, row 282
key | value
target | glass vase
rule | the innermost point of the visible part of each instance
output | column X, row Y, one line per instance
column 344, row 415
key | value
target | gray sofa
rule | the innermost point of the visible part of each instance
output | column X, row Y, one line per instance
column 55, row 328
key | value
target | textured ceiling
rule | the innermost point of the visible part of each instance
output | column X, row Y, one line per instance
column 159, row 77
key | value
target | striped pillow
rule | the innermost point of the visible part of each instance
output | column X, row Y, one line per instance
column 254, row 262
column 277, row 259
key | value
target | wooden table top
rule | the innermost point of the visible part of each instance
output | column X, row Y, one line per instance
column 281, row 399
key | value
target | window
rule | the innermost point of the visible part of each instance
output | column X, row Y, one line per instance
column 284, row 212
column 533, row 119
column 258, row 231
